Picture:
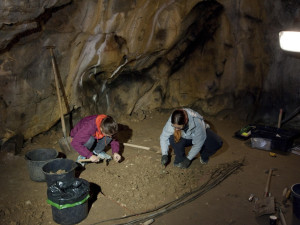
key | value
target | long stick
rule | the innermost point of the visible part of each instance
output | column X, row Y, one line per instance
column 126, row 144
column 282, row 218
column 88, row 160
column 279, row 118
column 136, row 146
column 84, row 160
column 57, row 92
column 267, row 188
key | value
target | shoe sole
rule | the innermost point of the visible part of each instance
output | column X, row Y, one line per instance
column 203, row 162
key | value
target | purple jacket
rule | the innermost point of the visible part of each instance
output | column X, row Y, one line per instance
column 81, row 133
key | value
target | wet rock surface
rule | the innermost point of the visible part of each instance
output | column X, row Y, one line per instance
column 123, row 58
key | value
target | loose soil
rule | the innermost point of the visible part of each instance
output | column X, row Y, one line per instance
column 126, row 192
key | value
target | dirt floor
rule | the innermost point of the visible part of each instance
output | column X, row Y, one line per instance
column 139, row 188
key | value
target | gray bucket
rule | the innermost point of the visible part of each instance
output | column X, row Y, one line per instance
column 59, row 170
column 36, row 159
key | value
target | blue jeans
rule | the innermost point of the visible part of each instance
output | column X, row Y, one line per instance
column 97, row 145
column 211, row 145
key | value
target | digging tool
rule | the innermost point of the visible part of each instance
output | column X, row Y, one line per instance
column 285, row 195
column 267, row 188
column 266, row 205
column 85, row 160
column 63, row 141
column 88, row 160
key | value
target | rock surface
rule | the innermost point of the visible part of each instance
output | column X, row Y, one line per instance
column 127, row 57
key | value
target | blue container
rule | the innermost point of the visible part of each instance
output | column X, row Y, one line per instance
column 296, row 200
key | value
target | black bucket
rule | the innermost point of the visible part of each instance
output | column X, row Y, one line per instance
column 296, row 199
column 59, row 170
column 36, row 159
column 69, row 201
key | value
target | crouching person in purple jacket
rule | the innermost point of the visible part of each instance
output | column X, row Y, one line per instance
column 90, row 136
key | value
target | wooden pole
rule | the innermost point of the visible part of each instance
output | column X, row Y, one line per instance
column 136, row 146
column 57, row 92
column 63, row 141
column 279, row 118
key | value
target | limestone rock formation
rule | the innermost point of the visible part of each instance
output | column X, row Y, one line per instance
column 127, row 57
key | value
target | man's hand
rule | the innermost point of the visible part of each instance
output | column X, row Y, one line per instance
column 164, row 159
column 116, row 157
column 186, row 163
column 94, row 158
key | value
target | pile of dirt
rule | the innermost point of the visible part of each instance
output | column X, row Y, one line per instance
column 140, row 183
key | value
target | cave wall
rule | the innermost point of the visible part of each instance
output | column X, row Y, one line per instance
column 127, row 57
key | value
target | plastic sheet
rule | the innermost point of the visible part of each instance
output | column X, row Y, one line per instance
column 68, row 193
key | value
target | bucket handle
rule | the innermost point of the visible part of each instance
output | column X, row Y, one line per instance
column 26, row 157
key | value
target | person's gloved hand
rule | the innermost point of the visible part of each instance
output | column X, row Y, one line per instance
column 185, row 163
column 164, row 159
